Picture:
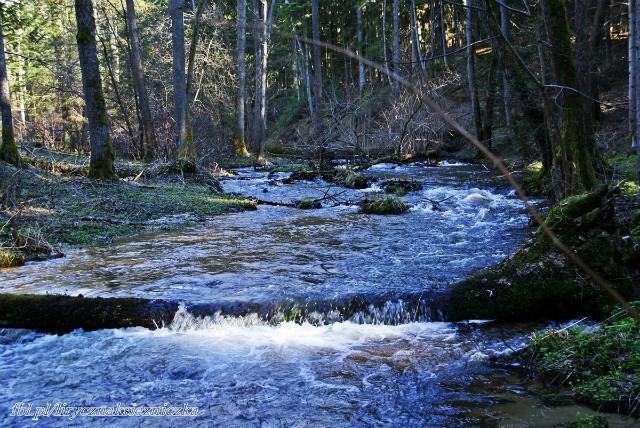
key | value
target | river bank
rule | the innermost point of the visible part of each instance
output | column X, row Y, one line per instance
column 42, row 210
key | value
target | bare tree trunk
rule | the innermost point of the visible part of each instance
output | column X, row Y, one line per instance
column 195, row 35
column 147, row 130
column 396, row 46
column 361, row 79
column 307, row 76
column 577, row 170
column 256, row 123
column 22, row 90
column 475, row 104
column 634, row 77
column 239, row 145
column 8, row 148
column 179, row 78
column 101, row 163
column 416, row 34
column 317, row 69
column 443, row 29
column 384, row 40
column 583, row 59
column 267, row 16
column 506, row 80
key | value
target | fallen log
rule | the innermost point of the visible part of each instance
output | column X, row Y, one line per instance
column 62, row 314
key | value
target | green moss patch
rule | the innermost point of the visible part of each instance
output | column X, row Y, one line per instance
column 308, row 204
column 388, row 205
column 73, row 210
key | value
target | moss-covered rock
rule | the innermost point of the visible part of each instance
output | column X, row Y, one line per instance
column 308, row 204
column 355, row 180
column 388, row 205
column 400, row 187
column 347, row 178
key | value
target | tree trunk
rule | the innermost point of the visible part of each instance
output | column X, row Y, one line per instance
column 634, row 78
column 317, row 68
column 179, row 79
column 443, row 29
column 307, row 76
column 147, row 130
column 416, row 35
column 583, row 67
column 8, row 148
column 594, row 40
column 239, row 145
column 396, row 46
column 506, row 80
column 256, row 123
column 361, row 79
column 195, row 35
column 267, row 15
column 576, row 170
column 384, row 40
column 101, row 163
column 475, row 104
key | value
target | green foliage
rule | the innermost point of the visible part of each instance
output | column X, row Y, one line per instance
column 600, row 363
column 591, row 421
column 625, row 168
column 388, row 205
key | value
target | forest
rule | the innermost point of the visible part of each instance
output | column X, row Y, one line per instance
column 500, row 137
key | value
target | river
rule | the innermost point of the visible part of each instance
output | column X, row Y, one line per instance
column 392, row 363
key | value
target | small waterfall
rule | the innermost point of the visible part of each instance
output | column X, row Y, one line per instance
column 359, row 309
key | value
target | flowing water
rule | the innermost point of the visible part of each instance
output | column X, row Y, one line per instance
column 389, row 363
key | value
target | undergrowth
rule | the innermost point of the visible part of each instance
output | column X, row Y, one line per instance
column 599, row 363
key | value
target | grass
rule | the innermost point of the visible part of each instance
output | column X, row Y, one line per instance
column 45, row 207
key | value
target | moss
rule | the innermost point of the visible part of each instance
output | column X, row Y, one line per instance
column 401, row 187
column 10, row 258
column 239, row 146
column 9, row 149
column 389, row 205
column 84, row 35
column 355, row 180
column 308, row 204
